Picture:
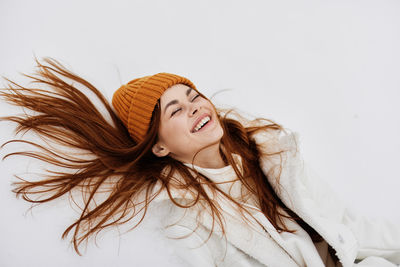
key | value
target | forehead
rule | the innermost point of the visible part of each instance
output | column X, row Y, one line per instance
column 174, row 92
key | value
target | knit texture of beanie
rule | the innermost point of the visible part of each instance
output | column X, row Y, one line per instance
column 135, row 101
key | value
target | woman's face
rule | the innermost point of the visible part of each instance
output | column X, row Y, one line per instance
column 188, row 123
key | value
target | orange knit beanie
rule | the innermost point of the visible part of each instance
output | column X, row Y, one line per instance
column 135, row 101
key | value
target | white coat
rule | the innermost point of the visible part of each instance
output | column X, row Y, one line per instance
column 354, row 239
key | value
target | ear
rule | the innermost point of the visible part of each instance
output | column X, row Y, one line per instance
column 159, row 150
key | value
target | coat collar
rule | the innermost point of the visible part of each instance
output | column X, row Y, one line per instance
column 253, row 236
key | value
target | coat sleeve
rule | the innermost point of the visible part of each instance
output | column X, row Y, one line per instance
column 375, row 237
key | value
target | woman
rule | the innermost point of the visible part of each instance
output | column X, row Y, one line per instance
column 229, row 191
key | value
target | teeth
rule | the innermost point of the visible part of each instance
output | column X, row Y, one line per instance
column 201, row 123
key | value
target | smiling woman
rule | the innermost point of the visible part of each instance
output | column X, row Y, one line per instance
column 232, row 191
column 189, row 127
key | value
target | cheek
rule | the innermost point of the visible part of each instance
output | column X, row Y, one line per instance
column 173, row 131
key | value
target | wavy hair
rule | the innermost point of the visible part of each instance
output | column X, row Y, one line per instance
column 111, row 164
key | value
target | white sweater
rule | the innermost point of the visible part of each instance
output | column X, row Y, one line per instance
column 257, row 243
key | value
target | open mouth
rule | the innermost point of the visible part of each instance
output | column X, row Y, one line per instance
column 201, row 124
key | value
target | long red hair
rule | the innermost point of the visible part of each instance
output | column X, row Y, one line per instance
column 111, row 163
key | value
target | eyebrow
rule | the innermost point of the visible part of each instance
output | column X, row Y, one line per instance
column 173, row 102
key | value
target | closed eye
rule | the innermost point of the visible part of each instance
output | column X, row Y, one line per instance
column 194, row 98
column 175, row 111
column 179, row 109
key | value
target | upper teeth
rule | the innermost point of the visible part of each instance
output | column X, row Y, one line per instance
column 201, row 123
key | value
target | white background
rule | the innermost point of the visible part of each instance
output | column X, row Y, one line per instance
column 329, row 70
